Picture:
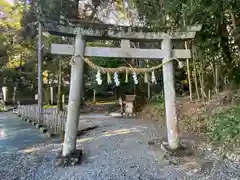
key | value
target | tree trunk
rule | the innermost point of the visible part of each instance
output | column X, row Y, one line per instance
column 202, row 85
column 63, row 100
column 5, row 93
column 134, row 85
column 226, row 84
column 216, row 77
column 60, row 102
column 195, row 80
column 94, row 95
column 224, row 44
column 234, row 24
column 148, row 85
column 209, row 94
column 51, row 95
column 14, row 95
column 189, row 75
column 46, row 94
column 194, row 52
column 40, row 78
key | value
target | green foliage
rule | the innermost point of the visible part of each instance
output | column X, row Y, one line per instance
column 218, row 42
column 12, row 15
column 225, row 125
column 157, row 98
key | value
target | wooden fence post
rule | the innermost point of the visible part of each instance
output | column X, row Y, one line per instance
column 169, row 96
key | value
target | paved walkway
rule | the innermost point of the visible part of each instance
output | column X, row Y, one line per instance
column 16, row 135
column 17, row 139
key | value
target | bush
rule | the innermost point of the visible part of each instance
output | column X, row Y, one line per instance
column 225, row 125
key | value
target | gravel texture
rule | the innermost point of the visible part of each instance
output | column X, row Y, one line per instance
column 117, row 150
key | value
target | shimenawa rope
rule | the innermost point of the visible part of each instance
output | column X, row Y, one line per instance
column 123, row 68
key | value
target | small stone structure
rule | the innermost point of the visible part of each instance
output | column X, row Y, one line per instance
column 126, row 103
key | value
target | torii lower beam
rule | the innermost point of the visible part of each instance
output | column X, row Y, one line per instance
column 65, row 49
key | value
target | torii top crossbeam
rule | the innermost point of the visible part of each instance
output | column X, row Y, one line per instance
column 108, row 31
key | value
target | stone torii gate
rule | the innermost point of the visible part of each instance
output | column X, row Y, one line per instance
column 98, row 31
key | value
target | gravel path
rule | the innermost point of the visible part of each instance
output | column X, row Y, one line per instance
column 117, row 150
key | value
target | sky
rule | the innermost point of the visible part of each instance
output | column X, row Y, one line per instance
column 10, row 1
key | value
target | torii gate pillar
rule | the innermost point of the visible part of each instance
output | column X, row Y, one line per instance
column 75, row 95
column 170, row 95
